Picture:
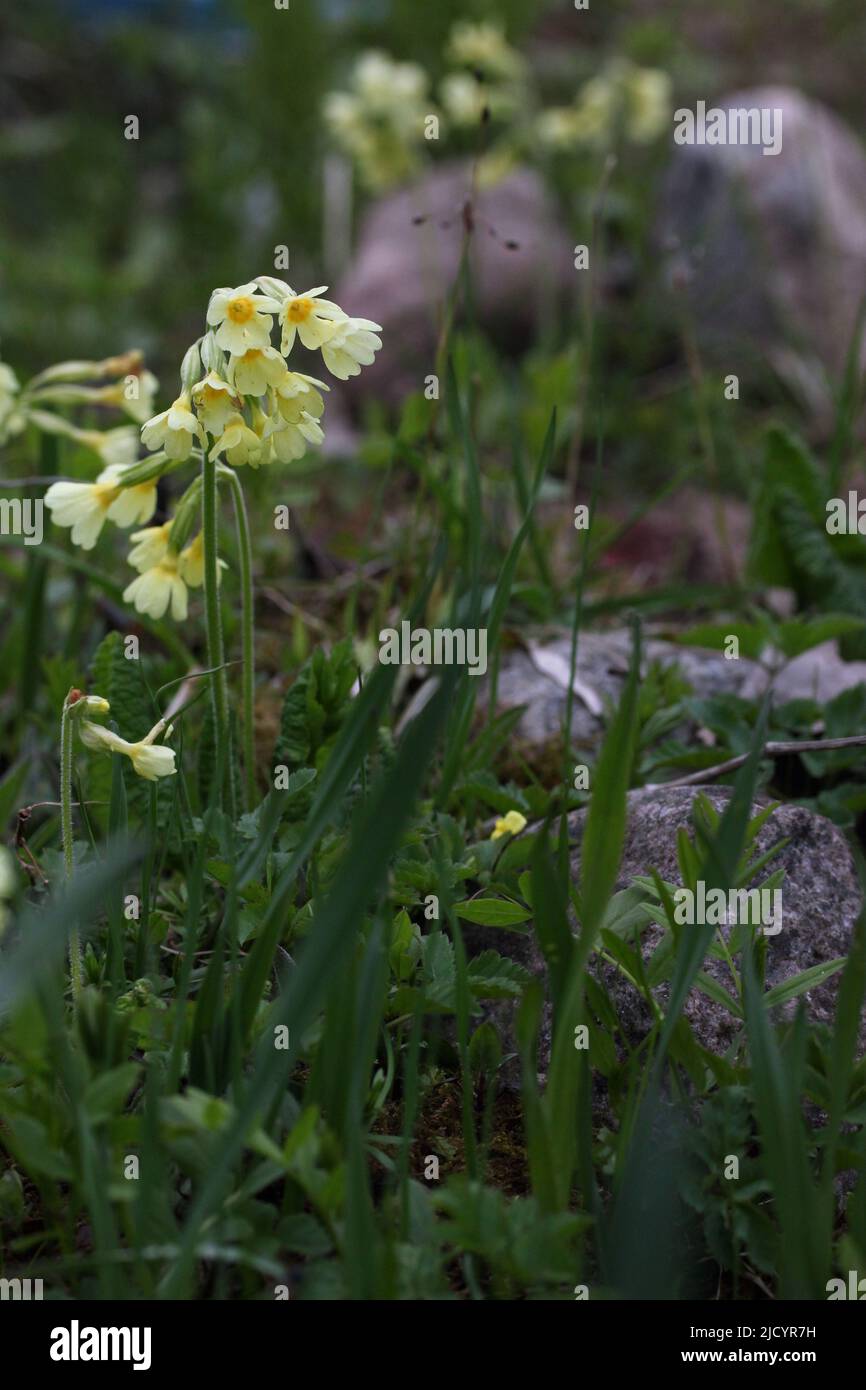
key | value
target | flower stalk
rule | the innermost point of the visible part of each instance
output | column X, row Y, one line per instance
column 66, row 832
column 213, row 616
column 248, row 677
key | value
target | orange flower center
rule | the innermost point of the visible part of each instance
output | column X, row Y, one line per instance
column 241, row 309
column 300, row 309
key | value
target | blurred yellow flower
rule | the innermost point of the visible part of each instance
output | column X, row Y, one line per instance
column 485, row 48
column 511, row 824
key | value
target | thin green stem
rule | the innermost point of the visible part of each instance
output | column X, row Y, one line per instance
column 213, row 619
column 245, row 555
column 66, row 835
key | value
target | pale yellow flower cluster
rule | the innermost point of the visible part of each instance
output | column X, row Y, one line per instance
column 239, row 402
column 626, row 100
column 387, row 117
column 379, row 121
column 383, row 123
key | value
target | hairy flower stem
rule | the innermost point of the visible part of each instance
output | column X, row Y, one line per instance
column 66, row 835
column 245, row 554
column 215, row 653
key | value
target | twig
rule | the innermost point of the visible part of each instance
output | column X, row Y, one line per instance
column 709, row 774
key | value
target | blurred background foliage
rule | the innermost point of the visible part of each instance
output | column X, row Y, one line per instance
column 108, row 243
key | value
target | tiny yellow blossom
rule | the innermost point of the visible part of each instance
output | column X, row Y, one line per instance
column 244, row 317
column 512, row 824
column 149, row 759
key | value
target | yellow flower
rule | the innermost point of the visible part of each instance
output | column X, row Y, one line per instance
column 313, row 319
column 158, row 587
column 648, row 92
column 215, row 402
column 297, row 394
column 244, row 316
column 86, row 506
column 174, row 430
column 289, row 437
column 149, row 759
column 115, row 446
column 239, row 443
column 512, row 824
column 258, row 369
column 149, row 546
column 484, row 47
column 353, row 344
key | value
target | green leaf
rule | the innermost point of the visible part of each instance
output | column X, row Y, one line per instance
column 492, row 912
column 807, row 979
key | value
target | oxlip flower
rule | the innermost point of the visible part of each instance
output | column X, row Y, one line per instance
column 311, row 318
column 239, row 443
column 149, row 546
column 256, row 370
column 297, row 394
column 86, row 506
column 149, row 759
column 290, row 437
column 175, row 430
column 510, row 824
column 244, row 318
column 215, row 402
column 353, row 345
column 159, row 587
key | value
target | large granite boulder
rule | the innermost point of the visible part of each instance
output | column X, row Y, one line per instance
column 821, row 899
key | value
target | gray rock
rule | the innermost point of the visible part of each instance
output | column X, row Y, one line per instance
column 771, row 250
column 821, row 899
column 602, row 666
column 403, row 269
